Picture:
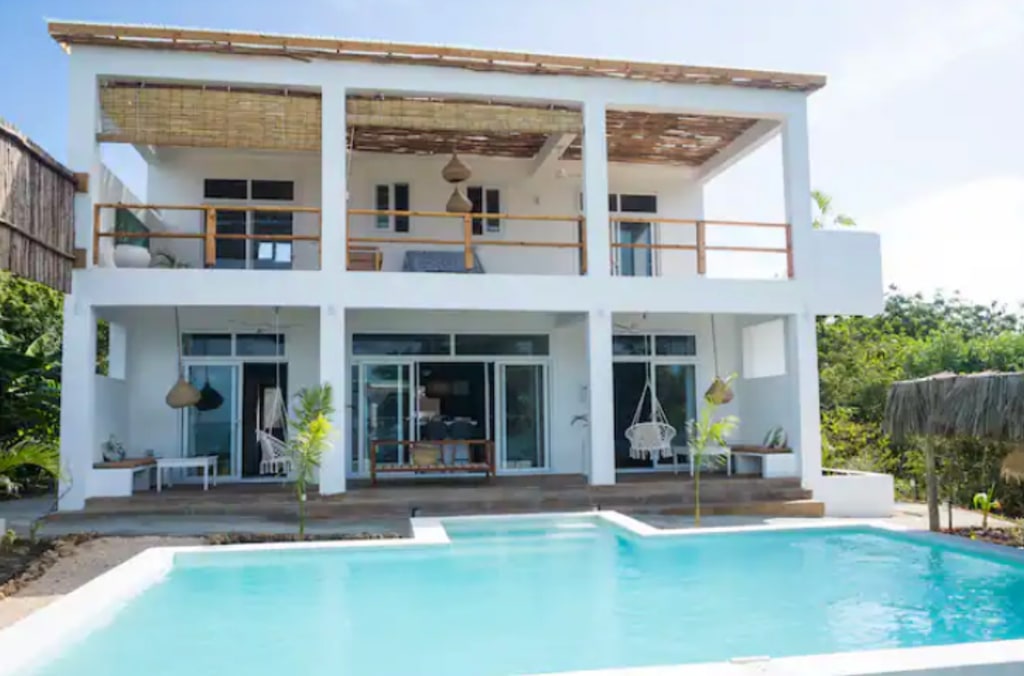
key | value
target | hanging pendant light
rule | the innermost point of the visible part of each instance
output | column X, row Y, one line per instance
column 209, row 398
column 458, row 202
column 456, row 171
column 720, row 392
column 183, row 394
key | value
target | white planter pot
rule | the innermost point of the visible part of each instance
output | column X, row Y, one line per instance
column 131, row 256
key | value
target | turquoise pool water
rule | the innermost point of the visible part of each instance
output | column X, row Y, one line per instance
column 537, row 597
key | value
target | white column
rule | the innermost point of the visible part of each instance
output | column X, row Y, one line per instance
column 78, row 444
column 602, row 411
column 83, row 150
column 802, row 360
column 332, row 370
column 595, row 188
column 117, row 351
column 333, row 175
column 797, row 179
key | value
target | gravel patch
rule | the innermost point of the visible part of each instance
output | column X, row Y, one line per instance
column 69, row 572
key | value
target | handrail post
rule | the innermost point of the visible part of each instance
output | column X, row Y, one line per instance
column 467, row 237
column 582, row 233
column 211, row 237
column 96, row 233
column 789, row 250
column 702, row 252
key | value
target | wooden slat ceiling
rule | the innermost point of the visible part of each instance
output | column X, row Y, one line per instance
column 299, row 47
column 176, row 115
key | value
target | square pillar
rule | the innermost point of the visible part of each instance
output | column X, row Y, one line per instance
column 83, row 150
column 333, row 177
column 797, row 181
column 117, row 351
column 602, row 410
column 805, row 428
column 333, row 371
column 78, row 443
column 595, row 189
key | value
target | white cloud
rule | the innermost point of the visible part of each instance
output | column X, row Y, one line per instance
column 967, row 238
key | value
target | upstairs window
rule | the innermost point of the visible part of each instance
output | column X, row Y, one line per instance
column 392, row 197
column 485, row 201
column 254, row 253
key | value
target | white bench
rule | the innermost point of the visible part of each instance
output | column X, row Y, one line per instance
column 119, row 479
column 207, row 463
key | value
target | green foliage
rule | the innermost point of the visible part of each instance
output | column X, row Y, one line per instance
column 24, row 453
column 986, row 502
column 823, row 214
column 705, row 431
column 860, row 357
column 311, row 432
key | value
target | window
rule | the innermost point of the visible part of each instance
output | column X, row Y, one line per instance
column 764, row 349
column 630, row 346
column 206, row 344
column 675, row 346
column 400, row 343
column 227, row 344
column 259, row 344
column 508, row 344
column 269, row 254
column 633, row 255
column 392, row 198
column 647, row 204
column 485, row 201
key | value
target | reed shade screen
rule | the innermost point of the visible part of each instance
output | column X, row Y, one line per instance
column 176, row 115
column 210, row 118
column 36, row 212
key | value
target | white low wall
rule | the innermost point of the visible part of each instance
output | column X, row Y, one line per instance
column 855, row 494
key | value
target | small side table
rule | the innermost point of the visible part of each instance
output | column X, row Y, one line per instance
column 207, row 463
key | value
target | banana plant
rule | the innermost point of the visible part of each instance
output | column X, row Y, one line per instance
column 310, row 439
column 27, row 453
column 986, row 502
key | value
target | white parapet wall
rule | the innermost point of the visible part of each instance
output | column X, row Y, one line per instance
column 848, row 493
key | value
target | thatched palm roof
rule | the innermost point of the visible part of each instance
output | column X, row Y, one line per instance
column 987, row 405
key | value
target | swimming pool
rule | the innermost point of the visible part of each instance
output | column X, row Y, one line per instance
column 529, row 596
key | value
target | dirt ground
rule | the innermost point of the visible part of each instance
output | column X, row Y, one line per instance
column 82, row 564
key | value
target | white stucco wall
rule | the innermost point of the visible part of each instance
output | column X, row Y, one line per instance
column 112, row 396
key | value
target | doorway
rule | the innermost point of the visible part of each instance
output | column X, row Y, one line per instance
column 674, row 385
column 260, row 408
column 635, row 257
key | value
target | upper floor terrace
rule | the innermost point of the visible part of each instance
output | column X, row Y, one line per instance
column 333, row 158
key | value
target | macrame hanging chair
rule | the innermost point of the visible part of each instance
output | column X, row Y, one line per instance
column 650, row 439
column 719, row 392
column 183, row 393
column 270, row 415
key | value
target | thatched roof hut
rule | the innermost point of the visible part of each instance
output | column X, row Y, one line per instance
column 36, row 211
column 988, row 405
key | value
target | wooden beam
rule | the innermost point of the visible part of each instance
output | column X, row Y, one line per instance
column 552, row 150
column 81, row 181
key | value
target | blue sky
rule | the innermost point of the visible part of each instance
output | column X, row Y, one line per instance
column 916, row 135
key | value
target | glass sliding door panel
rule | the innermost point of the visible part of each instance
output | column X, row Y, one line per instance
column 675, row 386
column 387, row 399
column 634, row 260
column 628, row 379
column 524, row 421
column 215, row 431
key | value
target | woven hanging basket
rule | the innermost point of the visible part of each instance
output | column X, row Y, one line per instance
column 183, row 394
column 719, row 392
column 456, row 171
column 458, row 203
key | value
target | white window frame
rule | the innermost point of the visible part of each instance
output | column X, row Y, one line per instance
column 390, row 226
column 486, row 227
column 250, row 216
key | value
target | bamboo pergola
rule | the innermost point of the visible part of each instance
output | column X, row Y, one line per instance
column 165, row 114
column 987, row 405
column 36, row 212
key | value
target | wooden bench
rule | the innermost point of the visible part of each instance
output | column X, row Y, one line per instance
column 757, row 451
column 428, row 457
column 365, row 258
column 116, row 479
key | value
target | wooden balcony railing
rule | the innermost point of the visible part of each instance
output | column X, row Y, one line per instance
column 700, row 245
column 207, row 232
column 359, row 245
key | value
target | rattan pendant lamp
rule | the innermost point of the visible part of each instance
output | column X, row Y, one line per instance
column 456, row 172
column 183, row 394
column 719, row 392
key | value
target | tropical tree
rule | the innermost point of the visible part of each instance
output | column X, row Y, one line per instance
column 824, row 216
column 311, row 433
column 703, row 432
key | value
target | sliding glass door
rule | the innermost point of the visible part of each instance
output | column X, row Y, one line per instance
column 387, row 409
column 211, row 427
column 522, row 437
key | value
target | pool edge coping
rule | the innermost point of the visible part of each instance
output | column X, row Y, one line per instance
column 57, row 625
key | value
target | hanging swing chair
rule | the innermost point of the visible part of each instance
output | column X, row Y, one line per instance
column 270, row 415
column 650, row 439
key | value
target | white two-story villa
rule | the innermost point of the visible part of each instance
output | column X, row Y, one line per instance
column 301, row 224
